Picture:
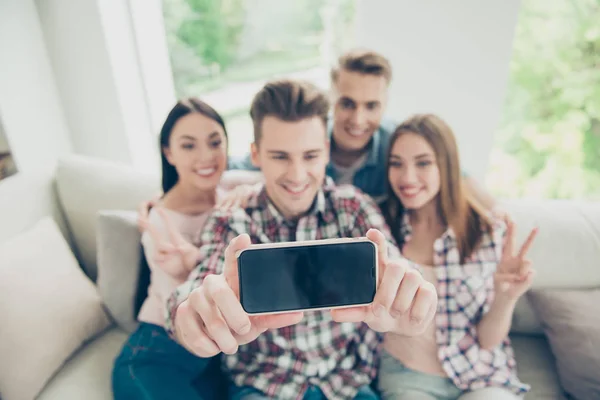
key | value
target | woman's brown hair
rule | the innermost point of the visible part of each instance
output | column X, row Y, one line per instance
column 456, row 206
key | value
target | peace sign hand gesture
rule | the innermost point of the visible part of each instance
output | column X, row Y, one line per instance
column 514, row 274
column 174, row 254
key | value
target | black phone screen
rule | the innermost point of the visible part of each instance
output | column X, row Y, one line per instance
column 305, row 277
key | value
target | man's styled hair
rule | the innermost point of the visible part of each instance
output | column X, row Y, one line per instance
column 287, row 100
column 364, row 62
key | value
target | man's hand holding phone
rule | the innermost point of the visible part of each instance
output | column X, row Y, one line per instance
column 212, row 319
column 405, row 303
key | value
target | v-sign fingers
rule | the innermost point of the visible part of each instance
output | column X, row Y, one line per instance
column 524, row 268
column 528, row 242
column 154, row 234
column 509, row 242
column 174, row 235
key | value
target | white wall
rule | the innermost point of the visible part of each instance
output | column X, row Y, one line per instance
column 30, row 108
column 93, row 50
column 450, row 58
column 76, row 46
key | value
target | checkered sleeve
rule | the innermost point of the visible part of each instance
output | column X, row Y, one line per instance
column 211, row 257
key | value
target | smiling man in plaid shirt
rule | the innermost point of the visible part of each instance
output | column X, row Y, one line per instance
column 322, row 354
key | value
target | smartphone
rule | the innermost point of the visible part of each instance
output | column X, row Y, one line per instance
column 307, row 275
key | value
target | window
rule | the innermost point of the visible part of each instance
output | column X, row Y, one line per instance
column 549, row 142
column 224, row 50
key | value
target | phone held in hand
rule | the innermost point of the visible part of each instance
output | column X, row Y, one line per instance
column 307, row 275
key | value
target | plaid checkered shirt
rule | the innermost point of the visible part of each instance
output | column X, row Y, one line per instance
column 339, row 358
column 465, row 294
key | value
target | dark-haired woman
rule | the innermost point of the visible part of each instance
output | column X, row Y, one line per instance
column 193, row 145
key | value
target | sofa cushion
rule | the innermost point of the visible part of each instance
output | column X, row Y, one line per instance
column 25, row 198
column 119, row 255
column 48, row 309
column 87, row 375
column 564, row 253
column 88, row 185
column 572, row 323
column 524, row 319
column 535, row 366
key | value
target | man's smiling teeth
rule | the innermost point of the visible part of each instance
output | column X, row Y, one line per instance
column 206, row 171
column 357, row 132
column 295, row 189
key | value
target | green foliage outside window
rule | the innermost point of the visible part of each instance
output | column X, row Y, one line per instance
column 549, row 143
column 212, row 30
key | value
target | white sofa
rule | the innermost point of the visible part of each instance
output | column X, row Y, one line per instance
column 80, row 187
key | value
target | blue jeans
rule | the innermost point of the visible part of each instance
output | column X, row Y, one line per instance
column 313, row 393
column 151, row 366
column 397, row 382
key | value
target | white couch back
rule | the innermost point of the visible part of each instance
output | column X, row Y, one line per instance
column 88, row 185
column 566, row 253
column 73, row 194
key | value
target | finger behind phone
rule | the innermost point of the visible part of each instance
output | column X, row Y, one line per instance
column 351, row 314
column 190, row 333
column 378, row 238
column 388, row 289
column 230, row 269
column 214, row 323
column 228, row 304
column 277, row 321
column 424, row 299
column 407, row 293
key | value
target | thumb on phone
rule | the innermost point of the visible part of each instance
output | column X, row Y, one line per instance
column 230, row 269
column 379, row 239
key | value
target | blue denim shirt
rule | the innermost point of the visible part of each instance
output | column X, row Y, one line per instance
column 371, row 178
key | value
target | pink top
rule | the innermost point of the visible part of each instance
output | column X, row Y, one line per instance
column 164, row 280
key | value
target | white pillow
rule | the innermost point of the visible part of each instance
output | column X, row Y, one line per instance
column 48, row 309
column 87, row 185
column 119, row 250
